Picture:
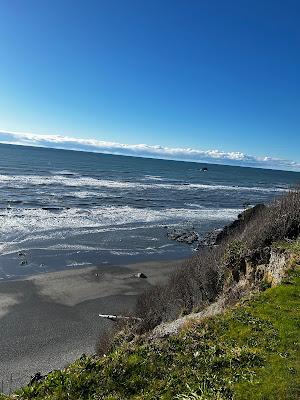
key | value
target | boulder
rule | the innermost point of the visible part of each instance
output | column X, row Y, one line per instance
column 141, row 275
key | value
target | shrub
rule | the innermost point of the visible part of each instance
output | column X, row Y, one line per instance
column 115, row 334
column 278, row 221
column 200, row 279
column 193, row 285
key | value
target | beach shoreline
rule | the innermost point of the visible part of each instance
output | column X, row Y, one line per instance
column 48, row 320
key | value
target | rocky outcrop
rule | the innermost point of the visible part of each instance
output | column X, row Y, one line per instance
column 183, row 235
column 268, row 265
column 271, row 272
column 250, row 278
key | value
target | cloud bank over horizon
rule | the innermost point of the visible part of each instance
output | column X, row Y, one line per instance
column 144, row 150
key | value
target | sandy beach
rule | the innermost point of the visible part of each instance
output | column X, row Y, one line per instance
column 48, row 320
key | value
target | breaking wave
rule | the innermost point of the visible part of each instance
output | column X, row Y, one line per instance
column 23, row 181
column 31, row 220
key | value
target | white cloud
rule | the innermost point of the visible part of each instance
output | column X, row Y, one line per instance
column 144, row 150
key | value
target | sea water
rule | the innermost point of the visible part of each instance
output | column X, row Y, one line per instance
column 66, row 209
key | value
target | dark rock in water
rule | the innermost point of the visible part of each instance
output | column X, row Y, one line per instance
column 24, row 262
column 204, row 169
column 240, row 223
column 141, row 275
column 183, row 236
column 21, row 254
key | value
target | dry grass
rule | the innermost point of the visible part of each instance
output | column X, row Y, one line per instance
column 195, row 284
column 200, row 279
column 279, row 221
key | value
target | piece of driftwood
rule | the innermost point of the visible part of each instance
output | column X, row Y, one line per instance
column 118, row 317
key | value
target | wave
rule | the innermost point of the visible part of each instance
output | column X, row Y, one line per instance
column 23, row 181
column 16, row 223
column 78, row 264
column 154, row 178
column 64, row 172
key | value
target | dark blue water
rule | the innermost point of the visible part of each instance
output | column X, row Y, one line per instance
column 66, row 209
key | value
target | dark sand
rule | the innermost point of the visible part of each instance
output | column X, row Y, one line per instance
column 48, row 320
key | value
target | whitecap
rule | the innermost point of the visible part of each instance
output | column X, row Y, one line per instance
column 88, row 182
column 23, row 225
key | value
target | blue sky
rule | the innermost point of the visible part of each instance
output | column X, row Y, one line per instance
column 195, row 74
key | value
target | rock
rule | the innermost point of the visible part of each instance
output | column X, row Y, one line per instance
column 24, row 262
column 183, row 236
column 204, row 169
column 21, row 254
column 141, row 275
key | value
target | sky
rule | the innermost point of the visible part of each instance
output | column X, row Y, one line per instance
column 201, row 80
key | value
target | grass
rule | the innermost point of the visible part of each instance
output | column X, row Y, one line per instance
column 250, row 352
column 201, row 278
column 294, row 246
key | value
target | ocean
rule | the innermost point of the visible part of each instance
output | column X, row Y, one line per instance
column 64, row 209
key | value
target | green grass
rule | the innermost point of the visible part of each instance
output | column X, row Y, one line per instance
column 294, row 246
column 251, row 352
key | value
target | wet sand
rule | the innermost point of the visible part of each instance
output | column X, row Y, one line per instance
column 48, row 320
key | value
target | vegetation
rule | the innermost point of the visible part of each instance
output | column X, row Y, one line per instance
column 250, row 352
column 201, row 279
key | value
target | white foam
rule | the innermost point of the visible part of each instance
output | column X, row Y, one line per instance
column 23, row 181
column 78, row 264
column 86, row 194
column 124, row 253
column 154, row 178
column 23, row 225
column 63, row 172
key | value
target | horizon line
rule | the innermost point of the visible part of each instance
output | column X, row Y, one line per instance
column 185, row 154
